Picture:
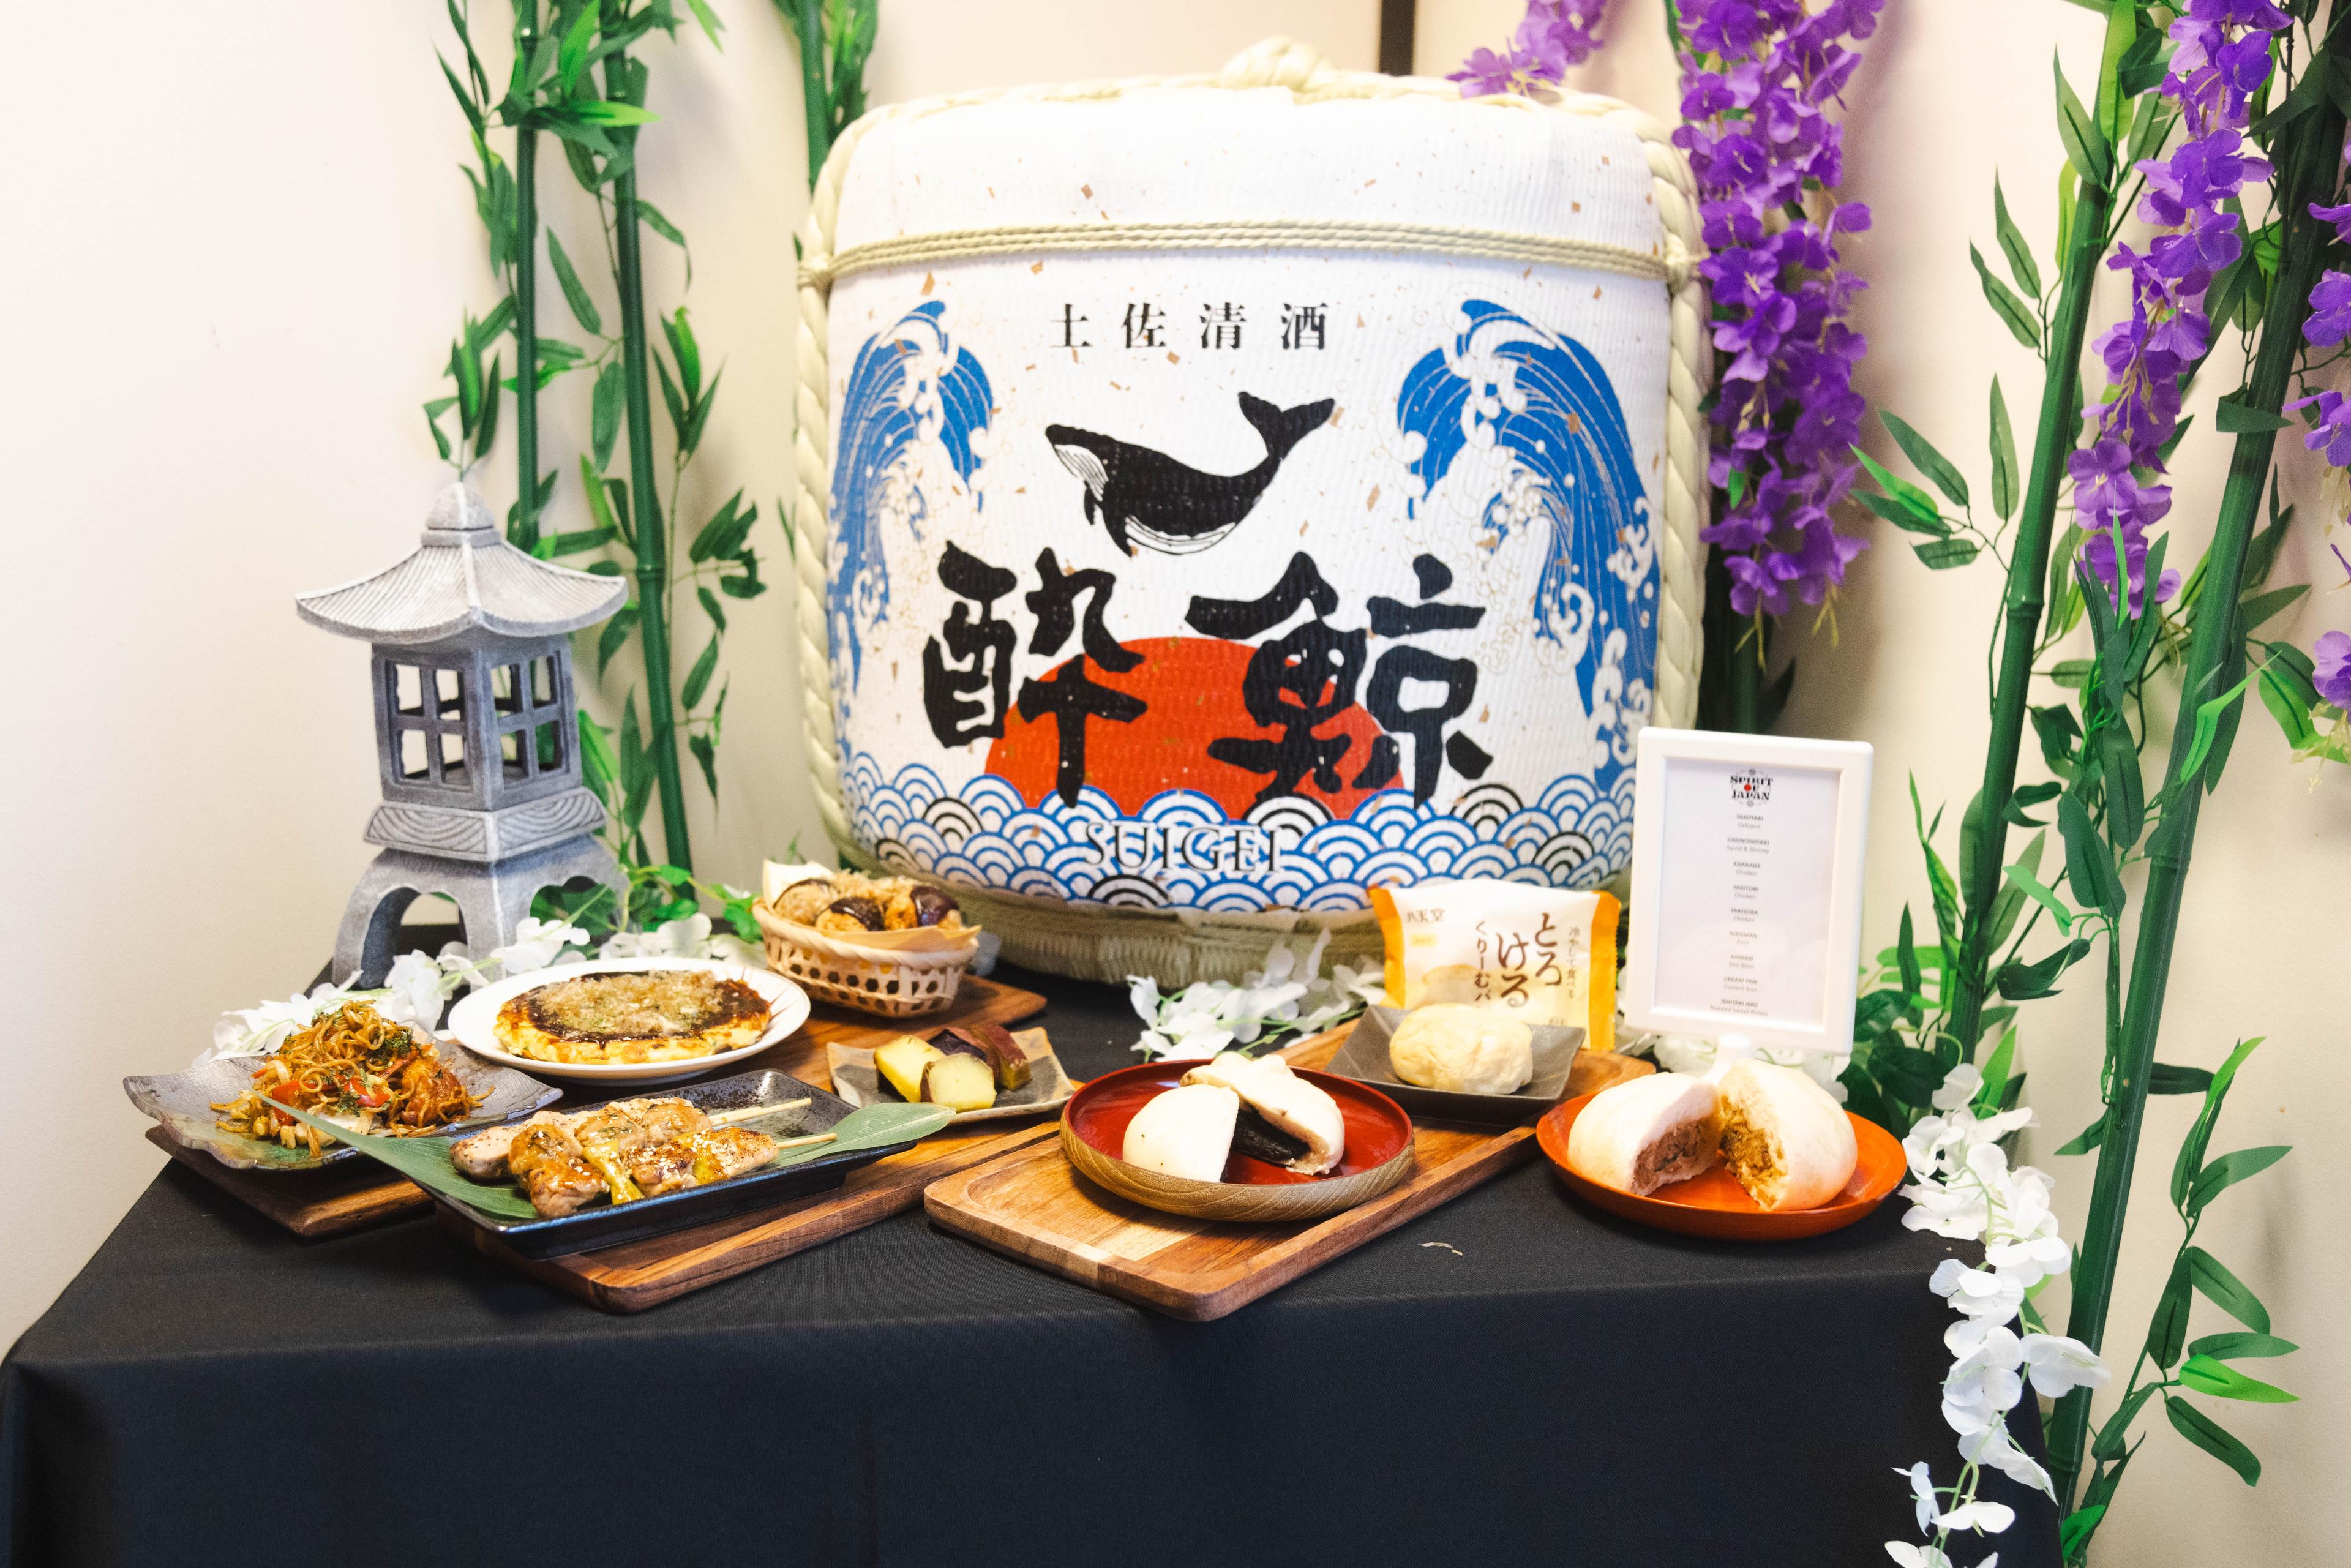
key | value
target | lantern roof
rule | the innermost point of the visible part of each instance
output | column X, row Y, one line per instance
column 464, row 576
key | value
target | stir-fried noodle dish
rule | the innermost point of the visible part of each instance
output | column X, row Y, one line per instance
column 352, row 1066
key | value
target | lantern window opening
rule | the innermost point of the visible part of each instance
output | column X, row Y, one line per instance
column 449, row 694
column 404, row 688
column 452, row 758
column 414, row 760
column 544, row 685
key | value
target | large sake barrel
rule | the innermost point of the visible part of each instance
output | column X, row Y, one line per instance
column 1220, row 496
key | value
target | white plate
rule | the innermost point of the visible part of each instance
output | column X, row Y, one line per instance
column 473, row 1020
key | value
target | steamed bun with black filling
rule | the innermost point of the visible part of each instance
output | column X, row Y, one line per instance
column 1466, row 1050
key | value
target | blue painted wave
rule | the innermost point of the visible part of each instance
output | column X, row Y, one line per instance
column 1545, row 401
column 986, row 835
column 908, row 385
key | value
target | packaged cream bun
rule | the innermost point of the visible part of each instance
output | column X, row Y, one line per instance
column 1541, row 954
column 1788, row 1142
column 1646, row 1132
column 1466, row 1050
column 1187, row 1132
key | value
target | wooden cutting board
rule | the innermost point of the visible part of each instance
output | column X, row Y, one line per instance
column 1030, row 1203
column 360, row 1193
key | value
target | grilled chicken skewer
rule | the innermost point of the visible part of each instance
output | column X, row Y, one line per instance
column 630, row 1148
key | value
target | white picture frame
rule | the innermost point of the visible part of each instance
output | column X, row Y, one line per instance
column 1745, row 915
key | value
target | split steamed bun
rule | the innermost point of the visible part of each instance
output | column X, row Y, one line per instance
column 1784, row 1137
column 1466, row 1049
column 1646, row 1132
column 1187, row 1132
column 1303, row 1109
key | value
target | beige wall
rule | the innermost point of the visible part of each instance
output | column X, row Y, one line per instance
column 227, row 301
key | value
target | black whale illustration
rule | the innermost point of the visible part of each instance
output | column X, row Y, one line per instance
column 1147, row 497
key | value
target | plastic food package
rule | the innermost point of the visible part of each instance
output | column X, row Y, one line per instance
column 1542, row 954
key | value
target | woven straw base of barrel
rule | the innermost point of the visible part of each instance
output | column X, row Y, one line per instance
column 892, row 985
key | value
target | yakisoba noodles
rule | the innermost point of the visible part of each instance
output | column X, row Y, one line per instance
column 352, row 1065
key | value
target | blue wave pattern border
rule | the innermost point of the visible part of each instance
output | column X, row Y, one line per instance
column 987, row 836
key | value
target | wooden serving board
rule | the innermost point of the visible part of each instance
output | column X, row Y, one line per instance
column 1030, row 1203
column 360, row 1193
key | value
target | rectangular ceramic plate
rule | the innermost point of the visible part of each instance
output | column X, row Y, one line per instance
column 609, row 1225
column 855, row 1080
column 183, row 1102
column 1364, row 1058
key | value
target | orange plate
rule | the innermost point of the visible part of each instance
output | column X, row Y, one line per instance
column 1714, row 1203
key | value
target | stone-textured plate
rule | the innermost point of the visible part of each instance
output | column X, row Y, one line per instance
column 1364, row 1058
column 856, row 1080
column 609, row 1225
column 182, row 1103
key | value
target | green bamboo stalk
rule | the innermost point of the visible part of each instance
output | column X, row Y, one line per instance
column 2054, row 434
column 525, row 329
column 653, row 530
column 815, row 99
column 2309, row 169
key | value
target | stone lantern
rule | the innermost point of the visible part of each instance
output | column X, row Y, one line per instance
column 475, row 729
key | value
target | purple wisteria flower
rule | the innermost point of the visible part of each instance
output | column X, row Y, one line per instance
column 2221, row 59
column 1553, row 35
column 2331, row 659
column 1759, row 81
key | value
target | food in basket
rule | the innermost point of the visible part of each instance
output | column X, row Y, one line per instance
column 1789, row 1143
column 625, row 1151
column 354, row 1067
column 1646, row 1132
column 1464, row 1050
column 1230, row 1105
column 846, row 904
column 654, row 1015
column 1541, row 954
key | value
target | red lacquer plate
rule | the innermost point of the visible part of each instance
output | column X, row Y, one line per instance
column 1715, row 1205
column 1378, row 1157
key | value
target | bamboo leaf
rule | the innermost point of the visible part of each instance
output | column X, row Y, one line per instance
column 2234, row 417
column 2041, row 893
column 599, row 770
column 1903, row 516
column 606, row 405
column 2024, row 982
column 575, row 293
column 2261, row 554
column 711, row 607
column 432, row 422
column 1914, row 981
column 2020, row 264
column 2058, row 732
column 2168, row 1326
column 2169, row 1078
column 1942, row 555
column 2287, row 707
column 488, row 431
column 697, row 678
column 576, row 543
column 2228, row 1170
column 602, row 111
column 2122, row 33
column 571, row 55
column 2225, row 1290
column 1939, row 883
column 614, row 636
column 2125, row 793
column 2089, row 865
column 2073, row 1535
column 2213, row 1439
column 2021, row 319
column 693, row 438
column 2086, row 147
column 2191, row 1159
column 2222, row 1381
column 2087, row 1139
column 706, row 753
column 711, row 27
column 2241, row 1346
column 1929, row 461
column 674, row 400
column 2004, row 456
column 2208, row 724
column 2114, row 1437
column 688, row 354
column 2257, row 608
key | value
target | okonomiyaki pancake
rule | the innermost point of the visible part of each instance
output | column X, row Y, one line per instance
column 660, row 1015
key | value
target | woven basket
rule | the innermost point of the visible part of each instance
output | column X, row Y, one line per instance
column 864, row 979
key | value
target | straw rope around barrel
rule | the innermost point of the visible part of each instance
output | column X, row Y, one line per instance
column 1179, row 946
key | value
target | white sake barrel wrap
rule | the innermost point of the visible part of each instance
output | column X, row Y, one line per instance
column 1231, row 497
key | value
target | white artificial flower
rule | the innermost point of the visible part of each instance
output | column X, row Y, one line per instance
column 1913, row 1556
column 538, row 945
column 1958, row 1089
column 1985, row 1518
column 414, row 991
column 1982, row 1385
column 2031, row 1259
column 260, row 1030
column 1993, row 1446
column 1960, row 1215
column 1979, row 1292
column 685, row 938
column 2058, row 1365
column 730, row 948
column 1922, row 1494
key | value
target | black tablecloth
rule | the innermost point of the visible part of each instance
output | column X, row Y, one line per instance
column 1514, row 1378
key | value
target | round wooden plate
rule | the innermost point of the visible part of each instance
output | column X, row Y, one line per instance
column 1715, row 1205
column 1378, row 1157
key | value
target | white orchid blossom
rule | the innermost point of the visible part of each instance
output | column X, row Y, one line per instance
column 1963, row 1187
column 1689, row 1054
column 1208, row 1015
column 691, row 937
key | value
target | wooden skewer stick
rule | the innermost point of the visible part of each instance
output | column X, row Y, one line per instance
column 803, row 1143
column 752, row 1113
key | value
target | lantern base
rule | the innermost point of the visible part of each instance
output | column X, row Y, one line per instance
column 493, row 898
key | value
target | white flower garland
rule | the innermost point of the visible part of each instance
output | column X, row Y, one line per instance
column 1209, row 1016
column 1963, row 1188
column 418, row 983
